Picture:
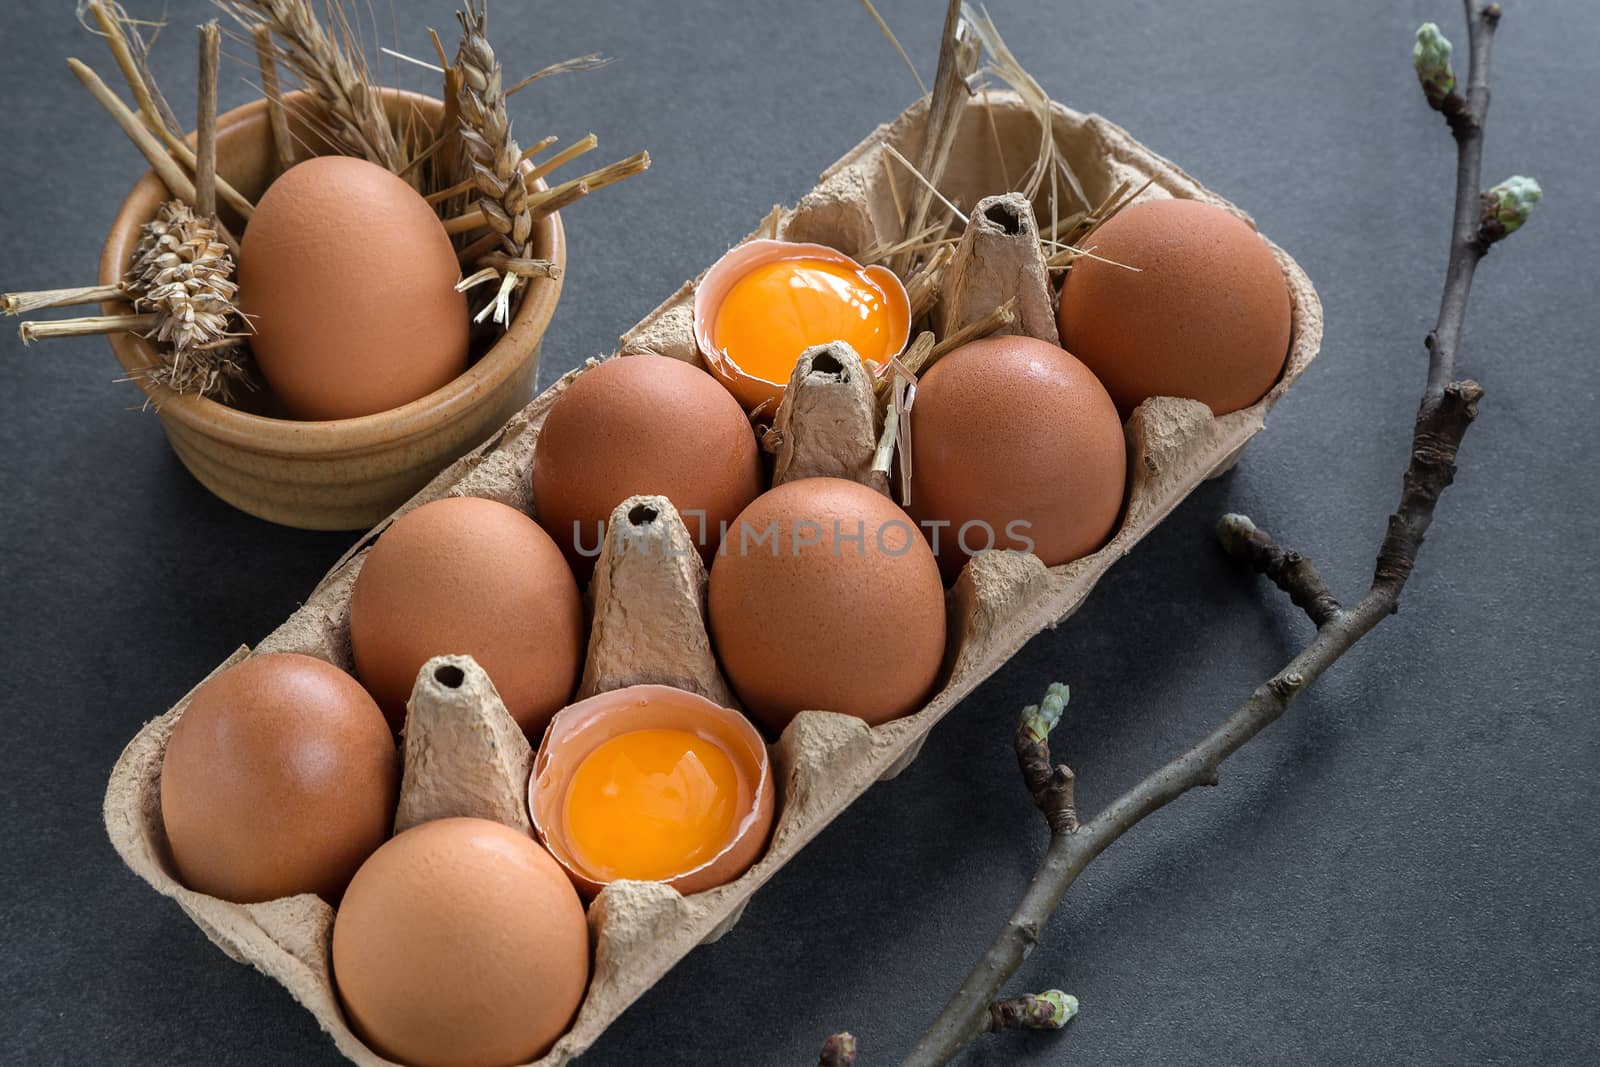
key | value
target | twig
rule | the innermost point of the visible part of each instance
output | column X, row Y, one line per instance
column 205, row 168
column 277, row 118
column 166, row 169
column 1051, row 785
column 40, row 300
column 1288, row 569
column 958, row 60
column 88, row 326
column 1448, row 408
column 1050, row 1010
column 155, row 114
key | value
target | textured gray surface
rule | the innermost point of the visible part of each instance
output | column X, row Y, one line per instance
column 1403, row 870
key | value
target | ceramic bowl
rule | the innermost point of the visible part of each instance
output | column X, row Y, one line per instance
column 342, row 474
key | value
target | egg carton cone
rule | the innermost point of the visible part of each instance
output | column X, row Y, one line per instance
column 1000, row 258
column 462, row 754
column 826, row 425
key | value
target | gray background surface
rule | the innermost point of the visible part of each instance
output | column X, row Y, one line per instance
column 1404, row 870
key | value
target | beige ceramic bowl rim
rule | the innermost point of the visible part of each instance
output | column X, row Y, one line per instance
column 609, row 699
column 264, row 434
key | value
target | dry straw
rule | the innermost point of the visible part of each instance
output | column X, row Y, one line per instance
column 333, row 67
column 491, row 155
column 187, row 305
column 508, row 201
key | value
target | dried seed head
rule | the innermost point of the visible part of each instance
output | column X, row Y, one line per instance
column 490, row 154
column 183, row 272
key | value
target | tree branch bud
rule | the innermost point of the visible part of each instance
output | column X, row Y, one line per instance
column 1506, row 207
column 1431, row 57
column 1039, row 719
column 838, row 1051
column 1050, row 1010
column 1051, row 787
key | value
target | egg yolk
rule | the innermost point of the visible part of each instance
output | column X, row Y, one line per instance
column 651, row 805
column 780, row 309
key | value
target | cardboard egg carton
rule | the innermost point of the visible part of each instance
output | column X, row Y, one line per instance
column 464, row 756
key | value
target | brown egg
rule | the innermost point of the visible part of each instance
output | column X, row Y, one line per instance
column 642, row 424
column 461, row 943
column 1016, row 446
column 1205, row 316
column 348, row 280
column 280, row 778
column 463, row 575
column 824, row 597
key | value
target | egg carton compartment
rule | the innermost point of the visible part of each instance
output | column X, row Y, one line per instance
column 463, row 755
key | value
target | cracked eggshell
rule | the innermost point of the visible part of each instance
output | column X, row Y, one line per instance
column 752, row 391
column 578, row 730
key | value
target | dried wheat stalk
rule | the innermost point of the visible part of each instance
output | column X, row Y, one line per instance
column 205, row 152
column 277, row 118
column 492, row 157
column 176, row 181
column 129, row 50
column 508, row 202
column 335, row 71
column 958, row 61
column 1050, row 162
column 44, row 299
column 182, row 290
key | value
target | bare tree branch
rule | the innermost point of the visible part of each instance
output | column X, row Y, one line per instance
column 1447, row 409
column 1288, row 569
